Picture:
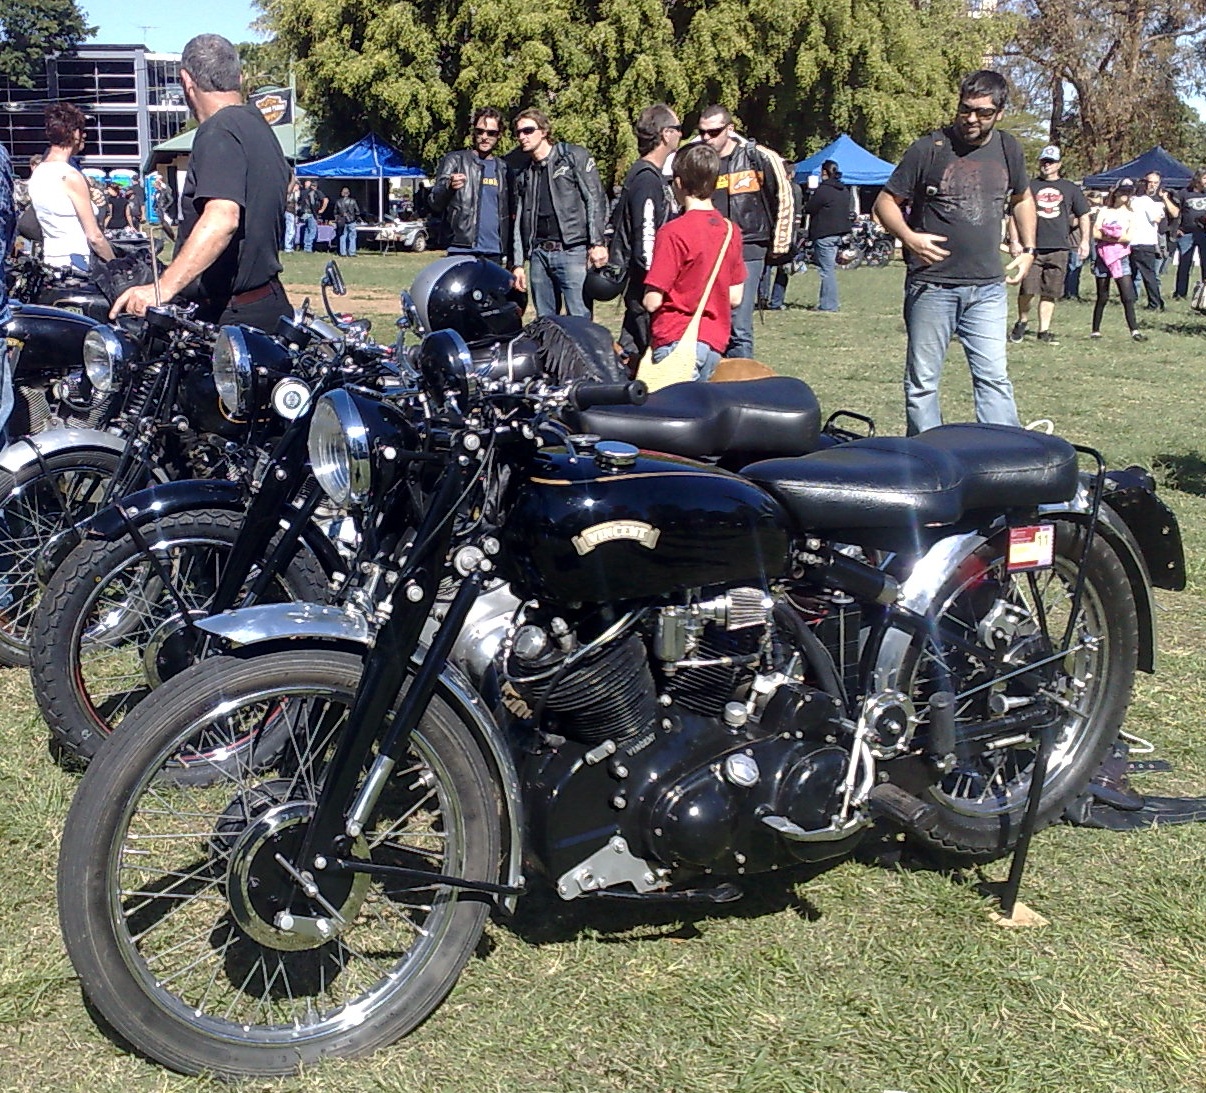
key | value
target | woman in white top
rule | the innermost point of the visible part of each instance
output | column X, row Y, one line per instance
column 60, row 197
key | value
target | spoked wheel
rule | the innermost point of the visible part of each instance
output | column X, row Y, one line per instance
column 39, row 501
column 999, row 648
column 114, row 624
column 179, row 906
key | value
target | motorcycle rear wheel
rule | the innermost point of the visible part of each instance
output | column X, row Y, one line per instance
column 980, row 803
column 38, row 501
column 165, row 891
column 106, row 611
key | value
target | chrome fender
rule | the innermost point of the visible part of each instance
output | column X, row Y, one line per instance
column 348, row 626
column 29, row 450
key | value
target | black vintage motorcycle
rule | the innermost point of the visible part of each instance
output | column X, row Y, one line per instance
column 690, row 676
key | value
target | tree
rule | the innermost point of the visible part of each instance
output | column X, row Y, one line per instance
column 34, row 28
column 1110, row 72
column 795, row 73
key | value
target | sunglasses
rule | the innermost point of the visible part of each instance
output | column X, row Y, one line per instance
column 981, row 112
column 676, row 128
column 526, row 131
column 710, row 133
column 478, row 131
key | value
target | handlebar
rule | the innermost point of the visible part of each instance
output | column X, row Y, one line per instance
column 582, row 396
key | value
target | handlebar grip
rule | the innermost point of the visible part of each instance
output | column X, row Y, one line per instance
column 585, row 395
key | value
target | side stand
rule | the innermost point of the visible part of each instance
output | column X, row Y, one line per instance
column 1009, row 896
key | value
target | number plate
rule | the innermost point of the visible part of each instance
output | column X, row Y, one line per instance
column 1031, row 547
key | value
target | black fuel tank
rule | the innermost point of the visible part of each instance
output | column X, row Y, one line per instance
column 581, row 532
column 49, row 340
column 80, row 296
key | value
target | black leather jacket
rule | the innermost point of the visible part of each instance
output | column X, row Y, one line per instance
column 578, row 200
column 759, row 197
column 460, row 207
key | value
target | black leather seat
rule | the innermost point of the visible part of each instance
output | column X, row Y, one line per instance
column 775, row 416
column 882, row 482
column 1008, row 467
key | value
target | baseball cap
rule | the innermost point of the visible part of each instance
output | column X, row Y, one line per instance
column 1051, row 152
column 1126, row 184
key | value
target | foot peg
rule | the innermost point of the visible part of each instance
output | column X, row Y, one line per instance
column 901, row 808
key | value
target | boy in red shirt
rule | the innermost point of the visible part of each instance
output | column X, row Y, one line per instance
column 684, row 254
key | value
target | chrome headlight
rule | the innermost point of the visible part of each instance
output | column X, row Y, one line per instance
column 339, row 450
column 232, row 370
column 104, row 356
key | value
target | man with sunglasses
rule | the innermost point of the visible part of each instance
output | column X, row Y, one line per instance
column 958, row 183
column 560, row 217
column 755, row 193
column 471, row 191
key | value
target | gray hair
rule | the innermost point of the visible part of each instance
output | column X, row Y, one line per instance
column 213, row 63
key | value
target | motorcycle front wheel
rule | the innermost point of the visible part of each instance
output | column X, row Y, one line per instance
column 109, row 629
column 36, row 503
column 172, row 896
column 995, row 646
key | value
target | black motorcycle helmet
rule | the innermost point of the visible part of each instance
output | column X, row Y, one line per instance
column 603, row 284
column 471, row 296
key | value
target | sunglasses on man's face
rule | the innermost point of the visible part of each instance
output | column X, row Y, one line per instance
column 710, row 134
column 478, row 131
column 981, row 112
column 526, row 131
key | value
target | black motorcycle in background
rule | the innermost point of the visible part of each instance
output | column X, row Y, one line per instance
column 570, row 662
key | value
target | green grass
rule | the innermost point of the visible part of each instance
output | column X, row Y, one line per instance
column 867, row 977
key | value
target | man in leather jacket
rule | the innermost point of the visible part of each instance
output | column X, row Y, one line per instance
column 471, row 191
column 560, row 216
column 755, row 193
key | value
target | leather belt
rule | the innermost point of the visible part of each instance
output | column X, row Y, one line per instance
column 253, row 294
column 550, row 244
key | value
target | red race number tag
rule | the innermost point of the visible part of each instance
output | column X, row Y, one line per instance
column 1031, row 547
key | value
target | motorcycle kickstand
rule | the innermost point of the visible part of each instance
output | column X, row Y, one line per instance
column 1038, row 775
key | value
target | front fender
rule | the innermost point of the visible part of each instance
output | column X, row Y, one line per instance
column 345, row 627
column 28, row 451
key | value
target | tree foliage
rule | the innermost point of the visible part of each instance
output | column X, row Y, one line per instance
column 30, row 29
column 795, row 73
column 1111, row 73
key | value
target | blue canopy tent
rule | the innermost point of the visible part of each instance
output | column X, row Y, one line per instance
column 369, row 157
column 1175, row 174
column 858, row 166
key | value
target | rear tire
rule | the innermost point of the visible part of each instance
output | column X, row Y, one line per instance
column 106, row 606
column 202, row 982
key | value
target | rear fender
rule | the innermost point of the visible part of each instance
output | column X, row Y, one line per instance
column 254, row 629
column 1131, row 494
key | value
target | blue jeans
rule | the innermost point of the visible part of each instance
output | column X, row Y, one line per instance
column 706, row 358
column 824, row 252
column 773, row 287
column 290, row 231
column 741, row 338
column 347, row 240
column 309, row 231
column 977, row 314
column 556, row 278
column 1186, row 246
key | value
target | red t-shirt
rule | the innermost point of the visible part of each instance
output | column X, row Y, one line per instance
column 684, row 255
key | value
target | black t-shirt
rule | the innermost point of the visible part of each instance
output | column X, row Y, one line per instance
column 961, row 192
column 1192, row 204
column 641, row 210
column 1059, row 205
column 547, row 226
column 236, row 158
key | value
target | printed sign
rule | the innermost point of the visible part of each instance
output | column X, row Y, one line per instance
column 1031, row 547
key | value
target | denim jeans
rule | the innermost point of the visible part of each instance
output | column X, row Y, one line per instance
column 347, row 240
column 706, row 358
column 556, row 278
column 290, row 231
column 309, row 231
column 1186, row 246
column 825, row 254
column 977, row 314
column 741, row 338
column 772, row 289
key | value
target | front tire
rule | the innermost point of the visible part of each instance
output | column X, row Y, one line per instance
column 38, row 501
column 107, row 630
column 980, row 802
column 159, row 892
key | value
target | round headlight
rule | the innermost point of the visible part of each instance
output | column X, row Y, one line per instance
column 232, row 370
column 339, row 449
column 103, row 357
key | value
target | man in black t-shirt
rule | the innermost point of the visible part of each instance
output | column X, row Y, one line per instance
column 958, row 183
column 233, row 200
column 1192, row 234
column 1060, row 206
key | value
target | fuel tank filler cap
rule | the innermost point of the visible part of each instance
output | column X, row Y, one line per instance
column 615, row 454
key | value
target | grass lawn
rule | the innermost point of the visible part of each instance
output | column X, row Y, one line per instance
column 866, row 977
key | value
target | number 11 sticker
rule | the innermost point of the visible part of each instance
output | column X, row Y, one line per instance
column 1031, row 547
